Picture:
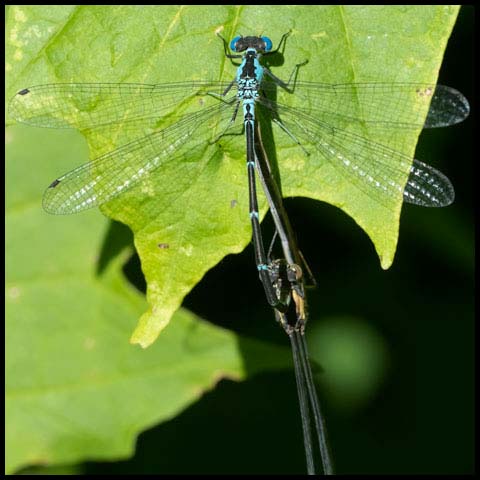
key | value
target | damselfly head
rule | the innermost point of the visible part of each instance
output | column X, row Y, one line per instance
column 260, row 44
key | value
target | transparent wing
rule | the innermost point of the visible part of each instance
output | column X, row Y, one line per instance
column 428, row 187
column 379, row 171
column 106, row 177
column 91, row 105
column 387, row 105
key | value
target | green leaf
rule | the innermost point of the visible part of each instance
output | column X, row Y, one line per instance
column 190, row 205
column 75, row 388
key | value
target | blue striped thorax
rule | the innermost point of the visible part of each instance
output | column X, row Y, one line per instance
column 249, row 75
column 250, row 72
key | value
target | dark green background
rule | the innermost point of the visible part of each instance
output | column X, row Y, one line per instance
column 421, row 418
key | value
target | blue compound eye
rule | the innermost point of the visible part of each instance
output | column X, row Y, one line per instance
column 233, row 44
column 268, row 43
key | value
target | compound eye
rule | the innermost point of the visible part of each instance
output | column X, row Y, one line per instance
column 268, row 43
column 233, row 44
column 294, row 272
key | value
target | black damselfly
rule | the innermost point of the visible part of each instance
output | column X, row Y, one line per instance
column 288, row 280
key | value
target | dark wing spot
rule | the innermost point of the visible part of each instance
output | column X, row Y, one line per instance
column 24, row 91
column 54, row 184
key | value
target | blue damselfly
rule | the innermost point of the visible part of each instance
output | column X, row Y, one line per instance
column 168, row 123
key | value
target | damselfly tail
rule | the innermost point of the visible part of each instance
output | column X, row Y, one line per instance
column 309, row 405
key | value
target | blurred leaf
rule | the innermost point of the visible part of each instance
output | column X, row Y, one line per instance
column 75, row 387
column 190, row 206
column 354, row 358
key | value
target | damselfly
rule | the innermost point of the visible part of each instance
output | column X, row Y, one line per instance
column 336, row 125
column 288, row 280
